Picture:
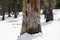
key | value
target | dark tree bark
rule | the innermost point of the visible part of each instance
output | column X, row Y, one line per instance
column 3, row 9
column 31, row 17
column 48, row 11
column 15, row 12
column 49, row 17
column 3, row 13
column 9, row 10
column 15, row 8
column 21, row 5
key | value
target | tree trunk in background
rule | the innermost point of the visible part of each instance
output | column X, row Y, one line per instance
column 50, row 15
column 48, row 10
column 31, row 17
column 21, row 5
column 15, row 11
column 3, row 9
column 15, row 8
column 9, row 10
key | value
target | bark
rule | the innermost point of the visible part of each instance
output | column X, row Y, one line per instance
column 9, row 10
column 31, row 17
column 21, row 6
column 15, row 11
column 48, row 11
column 3, row 9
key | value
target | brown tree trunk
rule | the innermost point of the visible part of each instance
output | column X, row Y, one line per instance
column 31, row 17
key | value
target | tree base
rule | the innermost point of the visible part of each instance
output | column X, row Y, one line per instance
column 32, row 30
column 49, row 16
column 49, row 20
column 9, row 15
column 15, row 16
column 2, row 19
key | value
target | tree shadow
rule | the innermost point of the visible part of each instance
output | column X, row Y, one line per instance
column 46, row 23
column 27, row 36
column 37, row 35
column 58, row 19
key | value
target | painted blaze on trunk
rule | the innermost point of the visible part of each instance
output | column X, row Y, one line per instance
column 31, row 17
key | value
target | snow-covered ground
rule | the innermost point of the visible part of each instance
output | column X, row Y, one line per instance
column 10, row 28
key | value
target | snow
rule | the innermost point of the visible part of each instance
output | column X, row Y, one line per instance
column 26, row 36
column 10, row 28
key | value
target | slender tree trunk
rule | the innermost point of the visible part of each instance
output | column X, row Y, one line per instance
column 8, row 10
column 15, row 12
column 15, row 8
column 31, row 17
column 3, row 9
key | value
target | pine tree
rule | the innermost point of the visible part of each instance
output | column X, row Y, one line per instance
column 31, row 17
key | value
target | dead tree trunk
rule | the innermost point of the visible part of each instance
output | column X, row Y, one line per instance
column 31, row 17
column 48, row 10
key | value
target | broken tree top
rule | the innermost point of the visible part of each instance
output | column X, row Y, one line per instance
column 31, row 17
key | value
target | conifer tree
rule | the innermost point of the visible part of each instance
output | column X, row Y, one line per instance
column 31, row 17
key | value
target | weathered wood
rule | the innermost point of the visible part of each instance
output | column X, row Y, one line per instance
column 31, row 17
